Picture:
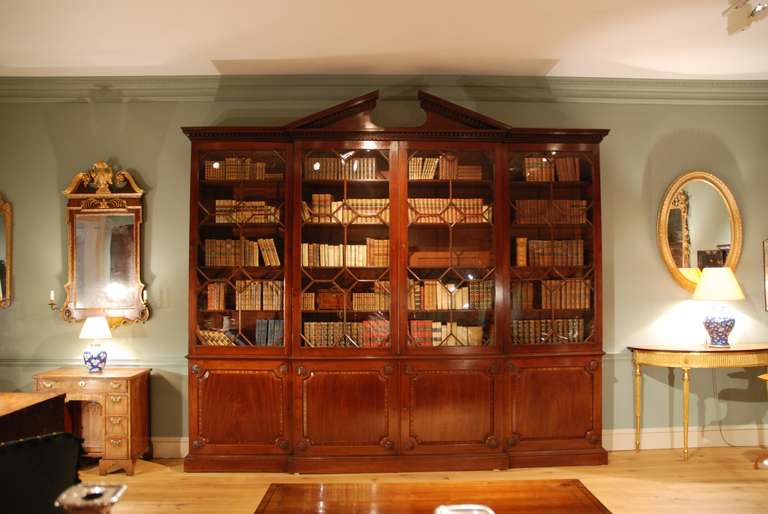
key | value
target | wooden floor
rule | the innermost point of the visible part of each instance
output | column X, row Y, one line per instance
column 715, row 480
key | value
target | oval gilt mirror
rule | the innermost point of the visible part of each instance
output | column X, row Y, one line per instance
column 699, row 226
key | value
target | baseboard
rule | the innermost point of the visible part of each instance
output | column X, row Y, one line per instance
column 170, row 447
column 657, row 438
column 698, row 437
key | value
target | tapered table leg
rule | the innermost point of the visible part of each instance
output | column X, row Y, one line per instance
column 638, row 403
column 686, row 394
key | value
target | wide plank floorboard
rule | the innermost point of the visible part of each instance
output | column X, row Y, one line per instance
column 714, row 480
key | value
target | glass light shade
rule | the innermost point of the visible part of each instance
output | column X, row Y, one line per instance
column 718, row 285
column 95, row 327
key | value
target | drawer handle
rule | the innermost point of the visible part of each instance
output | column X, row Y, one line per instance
column 116, row 399
column 115, row 442
column 48, row 385
column 115, row 385
column 81, row 383
column 115, row 420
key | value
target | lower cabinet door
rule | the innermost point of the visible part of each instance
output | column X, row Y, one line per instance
column 345, row 408
column 452, row 406
column 239, row 407
column 555, row 403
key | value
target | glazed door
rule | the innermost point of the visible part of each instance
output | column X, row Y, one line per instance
column 345, row 408
column 555, row 403
column 239, row 407
column 451, row 406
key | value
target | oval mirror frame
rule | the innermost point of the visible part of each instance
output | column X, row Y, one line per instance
column 662, row 224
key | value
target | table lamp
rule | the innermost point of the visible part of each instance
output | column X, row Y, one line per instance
column 718, row 285
column 95, row 328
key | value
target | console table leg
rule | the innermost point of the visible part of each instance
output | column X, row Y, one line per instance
column 686, row 394
column 638, row 403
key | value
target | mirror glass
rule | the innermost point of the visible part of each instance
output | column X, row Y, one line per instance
column 699, row 227
column 105, row 261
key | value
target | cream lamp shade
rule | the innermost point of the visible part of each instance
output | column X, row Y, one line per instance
column 95, row 327
column 718, row 285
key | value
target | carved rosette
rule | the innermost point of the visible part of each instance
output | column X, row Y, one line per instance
column 199, row 443
column 387, row 443
column 513, row 440
column 592, row 437
column 492, row 442
column 303, row 445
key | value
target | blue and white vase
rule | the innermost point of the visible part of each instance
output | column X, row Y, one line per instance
column 95, row 362
column 718, row 328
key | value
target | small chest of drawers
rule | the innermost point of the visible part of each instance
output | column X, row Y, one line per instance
column 109, row 410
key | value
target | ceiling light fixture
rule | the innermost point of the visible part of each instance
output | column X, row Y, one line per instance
column 759, row 8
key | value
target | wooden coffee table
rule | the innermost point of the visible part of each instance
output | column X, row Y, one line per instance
column 504, row 497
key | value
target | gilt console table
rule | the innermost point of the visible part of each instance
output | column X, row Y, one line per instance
column 687, row 358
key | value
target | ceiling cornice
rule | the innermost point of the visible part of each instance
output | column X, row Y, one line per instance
column 331, row 88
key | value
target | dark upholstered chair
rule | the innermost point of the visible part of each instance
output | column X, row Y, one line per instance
column 35, row 470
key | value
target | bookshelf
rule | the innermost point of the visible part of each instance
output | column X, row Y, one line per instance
column 238, row 255
column 345, row 250
column 552, row 279
column 366, row 298
column 451, row 253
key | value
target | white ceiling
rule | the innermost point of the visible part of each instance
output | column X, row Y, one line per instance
column 683, row 39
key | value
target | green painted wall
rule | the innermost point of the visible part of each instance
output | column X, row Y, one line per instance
column 43, row 142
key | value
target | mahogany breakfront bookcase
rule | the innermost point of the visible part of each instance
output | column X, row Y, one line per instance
column 374, row 299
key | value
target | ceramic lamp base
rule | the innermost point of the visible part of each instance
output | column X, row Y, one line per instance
column 94, row 361
column 718, row 328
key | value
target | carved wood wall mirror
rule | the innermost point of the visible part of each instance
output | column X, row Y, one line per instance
column 6, row 253
column 699, row 225
column 104, row 215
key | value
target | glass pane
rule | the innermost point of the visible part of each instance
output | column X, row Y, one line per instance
column 345, row 250
column 241, row 234
column 551, row 248
column 450, row 248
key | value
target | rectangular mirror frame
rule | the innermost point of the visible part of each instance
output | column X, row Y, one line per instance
column 102, row 191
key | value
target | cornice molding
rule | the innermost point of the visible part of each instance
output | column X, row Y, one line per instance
column 331, row 88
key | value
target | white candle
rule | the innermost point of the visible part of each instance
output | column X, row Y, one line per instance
column 144, row 296
column 52, row 296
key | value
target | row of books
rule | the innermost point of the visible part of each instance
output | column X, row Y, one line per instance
column 425, row 332
column 269, row 332
column 543, row 169
column 362, row 334
column 534, row 252
column 378, row 300
column 238, row 168
column 565, row 294
column 445, row 210
column 430, row 295
column 256, row 295
column 236, row 252
column 355, row 211
column 247, row 211
column 557, row 212
column 374, row 253
column 537, row 331
column 444, row 167
column 336, row 168
column 372, row 301
column 571, row 293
